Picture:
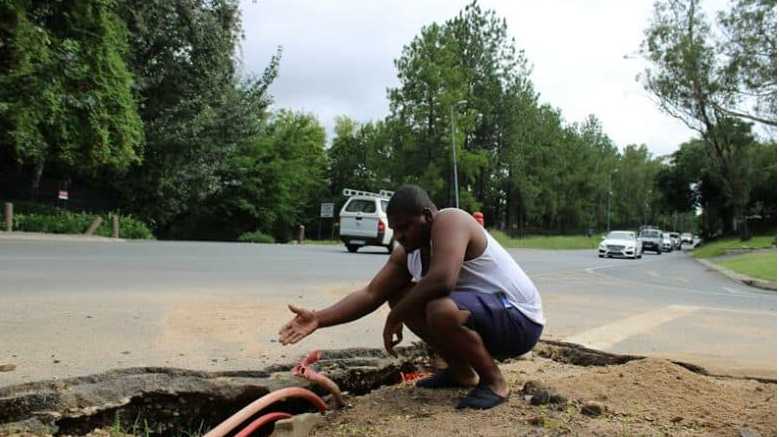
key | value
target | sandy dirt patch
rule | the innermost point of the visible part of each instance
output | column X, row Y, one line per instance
column 643, row 397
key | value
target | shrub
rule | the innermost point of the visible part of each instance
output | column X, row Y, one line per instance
column 65, row 222
column 129, row 227
column 255, row 237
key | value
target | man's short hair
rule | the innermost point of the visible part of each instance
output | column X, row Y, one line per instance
column 410, row 200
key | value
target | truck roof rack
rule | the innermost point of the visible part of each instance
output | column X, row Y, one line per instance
column 381, row 193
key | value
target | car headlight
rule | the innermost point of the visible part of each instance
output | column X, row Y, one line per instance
column 631, row 247
column 601, row 246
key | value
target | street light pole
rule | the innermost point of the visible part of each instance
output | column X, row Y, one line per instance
column 646, row 206
column 454, row 156
column 608, row 211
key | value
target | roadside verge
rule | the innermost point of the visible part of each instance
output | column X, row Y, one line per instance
column 738, row 277
column 18, row 235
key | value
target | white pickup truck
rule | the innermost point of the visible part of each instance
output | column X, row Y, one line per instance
column 363, row 220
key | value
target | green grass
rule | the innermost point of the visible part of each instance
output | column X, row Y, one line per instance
column 719, row 247
column 323, row 242
column 534, row 242
column 539, row 242
column 755, row 265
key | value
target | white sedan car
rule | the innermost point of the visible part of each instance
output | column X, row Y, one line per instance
column 620, row 243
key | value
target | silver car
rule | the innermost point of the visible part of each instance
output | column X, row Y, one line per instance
column 620, row 243
column 667, row 244
column 676, row 240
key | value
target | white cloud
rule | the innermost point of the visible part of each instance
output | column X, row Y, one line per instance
column 338, row 57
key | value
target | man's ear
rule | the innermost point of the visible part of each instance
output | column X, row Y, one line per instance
column 427, row 213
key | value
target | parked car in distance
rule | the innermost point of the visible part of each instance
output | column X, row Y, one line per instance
column 676, row 240
column 651, row 239
column 687, row 237
column 620, row 243
column 666, row 244
column 363, row 220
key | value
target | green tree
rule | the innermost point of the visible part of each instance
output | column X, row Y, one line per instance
column 421, row 154
column 749, row 43
column 688, row 81
column 273, row 183
column 517, row 161
column 280, row 179
column 468, row 58
column 195, row 109
column 358, row 157
column 633, row 185
column 762, row 196
column 65, row 89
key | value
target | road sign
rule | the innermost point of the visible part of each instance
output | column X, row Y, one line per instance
column 63, row 194
column 326, row 210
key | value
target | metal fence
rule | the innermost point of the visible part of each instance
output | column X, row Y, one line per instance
column 70, row 196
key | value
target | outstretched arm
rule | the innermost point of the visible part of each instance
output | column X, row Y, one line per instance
column 391, row 278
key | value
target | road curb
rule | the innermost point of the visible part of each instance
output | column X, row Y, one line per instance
column 40, row 236
column 738, row 277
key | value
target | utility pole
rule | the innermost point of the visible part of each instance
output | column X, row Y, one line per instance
column 454, row 155
column 646, row 206
column 608, row 211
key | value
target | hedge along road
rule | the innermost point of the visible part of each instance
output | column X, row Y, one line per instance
column 71, row 308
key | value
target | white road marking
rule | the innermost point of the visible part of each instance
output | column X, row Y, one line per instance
column 653, row 273
column 728, row 310
column 680, row 279
column 730, row 290
column 592, row 269
column 755, row 295
column 603, row 337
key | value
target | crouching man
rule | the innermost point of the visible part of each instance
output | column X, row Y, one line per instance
column 455, row 287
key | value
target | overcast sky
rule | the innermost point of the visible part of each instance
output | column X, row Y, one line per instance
column 338, row 57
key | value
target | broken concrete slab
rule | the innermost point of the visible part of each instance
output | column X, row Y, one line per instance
column 168, row 399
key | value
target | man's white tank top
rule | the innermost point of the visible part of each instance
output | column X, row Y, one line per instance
column 494, row 271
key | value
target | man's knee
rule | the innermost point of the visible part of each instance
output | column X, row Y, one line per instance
column 442, row 314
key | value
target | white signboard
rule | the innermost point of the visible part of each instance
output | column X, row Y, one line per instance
column 326, row 210
column 63, row 194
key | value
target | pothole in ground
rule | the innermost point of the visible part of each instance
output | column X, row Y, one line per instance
column 162, row 402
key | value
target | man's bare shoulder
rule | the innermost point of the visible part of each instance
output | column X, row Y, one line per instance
column 456, row 225
column 454, row 217
column 452, row 221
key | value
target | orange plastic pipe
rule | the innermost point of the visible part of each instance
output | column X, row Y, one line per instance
column 303, row 371
column 264, row 402
column 263, row 420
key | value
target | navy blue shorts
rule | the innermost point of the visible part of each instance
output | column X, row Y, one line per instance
column 506, row 332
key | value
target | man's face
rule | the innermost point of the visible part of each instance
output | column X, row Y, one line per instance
column 411, row 231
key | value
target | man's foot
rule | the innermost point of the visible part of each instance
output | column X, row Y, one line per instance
column 481, row 398
column 442, row 378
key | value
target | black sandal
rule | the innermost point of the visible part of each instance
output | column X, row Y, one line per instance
column 481, row 398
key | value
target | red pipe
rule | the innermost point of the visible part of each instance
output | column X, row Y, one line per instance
column 303, row 371
column 263, row 420
column 264, row 402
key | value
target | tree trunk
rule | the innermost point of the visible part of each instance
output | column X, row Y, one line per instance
column 745, row 234
column 36, row 180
